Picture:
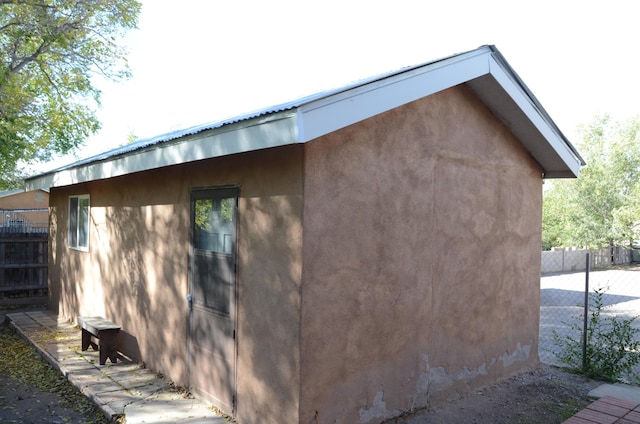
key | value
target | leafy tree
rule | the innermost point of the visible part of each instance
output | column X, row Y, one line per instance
column 556, row 211
column 49, row 52
column 13, row 178
column 601, row 206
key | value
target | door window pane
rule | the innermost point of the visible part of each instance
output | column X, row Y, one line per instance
column 213, row 252
column 213, row 229
column 213, row 279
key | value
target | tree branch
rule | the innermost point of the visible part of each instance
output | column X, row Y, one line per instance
column 28, row 59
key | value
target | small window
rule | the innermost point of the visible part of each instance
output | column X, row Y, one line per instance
column 79, row 222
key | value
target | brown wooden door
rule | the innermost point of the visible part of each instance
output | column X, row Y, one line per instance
column 212, row 319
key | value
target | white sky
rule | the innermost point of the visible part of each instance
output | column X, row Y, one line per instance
column 199, row 61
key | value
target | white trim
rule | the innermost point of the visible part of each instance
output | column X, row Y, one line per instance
column 278, row 130
column 525, row 104
column 328, row 114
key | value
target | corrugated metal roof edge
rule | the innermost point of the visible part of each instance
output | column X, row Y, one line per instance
column 541, row 110
column 290, row 105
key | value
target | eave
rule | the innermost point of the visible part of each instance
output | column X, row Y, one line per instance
column 483, row 69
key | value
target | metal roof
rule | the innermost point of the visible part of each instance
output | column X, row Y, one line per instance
column 8, row 193
column 484, row 69
column 172, row 135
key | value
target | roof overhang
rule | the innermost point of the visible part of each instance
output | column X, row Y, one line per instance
column 513, row 103
column 483, row 69
column 277, row 129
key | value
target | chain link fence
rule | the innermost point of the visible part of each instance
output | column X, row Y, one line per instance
column 614, row 270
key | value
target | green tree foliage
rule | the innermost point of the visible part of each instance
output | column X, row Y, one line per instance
column 11, row 179
column 49, row 52
column 601, row 206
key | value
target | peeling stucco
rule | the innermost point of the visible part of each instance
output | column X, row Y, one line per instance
column 435, row 379
column 520, row 354
column 377, row 410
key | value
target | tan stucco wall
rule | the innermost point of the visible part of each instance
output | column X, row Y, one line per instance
column 36, row 199
column 421, row 260
column 416, row 276
column 136, row 272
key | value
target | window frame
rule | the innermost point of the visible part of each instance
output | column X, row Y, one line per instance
column 75, row 224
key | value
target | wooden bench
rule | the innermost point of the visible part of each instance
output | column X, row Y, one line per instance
column 107, row 334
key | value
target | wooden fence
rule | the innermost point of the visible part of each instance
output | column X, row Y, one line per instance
column 23, row 260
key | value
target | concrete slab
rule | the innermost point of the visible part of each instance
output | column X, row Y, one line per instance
column 87, row 379
column 101, row 387
column 617, row 390
column 116, row 400
column 146, row 391
column 77, row 367
column 168, row 408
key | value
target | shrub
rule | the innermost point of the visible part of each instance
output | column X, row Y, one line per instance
column 611, row 348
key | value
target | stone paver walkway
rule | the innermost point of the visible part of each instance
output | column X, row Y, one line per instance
column 608, row 410
column 124, row 388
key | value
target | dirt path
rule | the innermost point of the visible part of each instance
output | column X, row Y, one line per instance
column 22, row 403
column 547, row 395
column 33, row 392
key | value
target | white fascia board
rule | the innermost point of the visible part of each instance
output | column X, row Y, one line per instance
column 323, row 116
column 275, row 130
column 527, row 106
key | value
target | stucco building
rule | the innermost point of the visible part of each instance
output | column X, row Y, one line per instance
column 343, row 258
column 24, row 208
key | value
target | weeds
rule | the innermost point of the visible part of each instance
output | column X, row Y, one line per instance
column 611, row 344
